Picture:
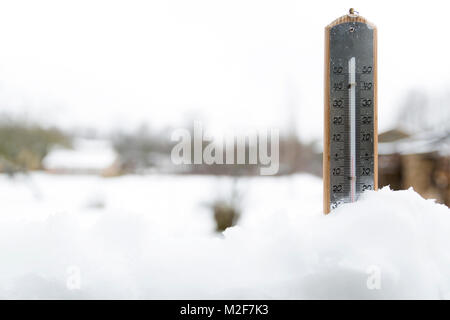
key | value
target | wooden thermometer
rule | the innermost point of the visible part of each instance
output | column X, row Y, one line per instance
column 350, row 164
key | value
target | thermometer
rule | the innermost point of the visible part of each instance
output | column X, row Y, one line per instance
column 350, row 164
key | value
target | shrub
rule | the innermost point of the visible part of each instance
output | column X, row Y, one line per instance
column 23, row 146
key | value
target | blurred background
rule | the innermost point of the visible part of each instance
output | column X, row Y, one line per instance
column 90, row 92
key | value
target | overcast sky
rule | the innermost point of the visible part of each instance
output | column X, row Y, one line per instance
column 235, row 63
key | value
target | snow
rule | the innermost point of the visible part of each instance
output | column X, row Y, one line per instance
column 152, row 237
column 87, row 154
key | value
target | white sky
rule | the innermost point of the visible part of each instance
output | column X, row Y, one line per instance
column 234, row 63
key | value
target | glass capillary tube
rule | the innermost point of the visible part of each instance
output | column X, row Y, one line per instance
column 352, row 107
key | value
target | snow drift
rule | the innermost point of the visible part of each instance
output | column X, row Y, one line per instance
column 292, row 252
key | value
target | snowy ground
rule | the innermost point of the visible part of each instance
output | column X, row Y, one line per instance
column 152, row 237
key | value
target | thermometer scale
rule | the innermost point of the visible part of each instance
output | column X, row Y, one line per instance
column 350, row 164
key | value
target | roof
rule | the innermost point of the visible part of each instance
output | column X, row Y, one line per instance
column 87, row 154
column 421, row 143
column 392, row 135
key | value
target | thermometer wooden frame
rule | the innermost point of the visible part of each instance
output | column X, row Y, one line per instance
column 347, row 20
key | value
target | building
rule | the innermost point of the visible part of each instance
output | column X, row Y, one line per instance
column 421, row 161
column 88, row 156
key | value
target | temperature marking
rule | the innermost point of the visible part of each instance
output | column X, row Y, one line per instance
column 351, row 89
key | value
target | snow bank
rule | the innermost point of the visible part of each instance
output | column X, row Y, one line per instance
column 283, row 248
